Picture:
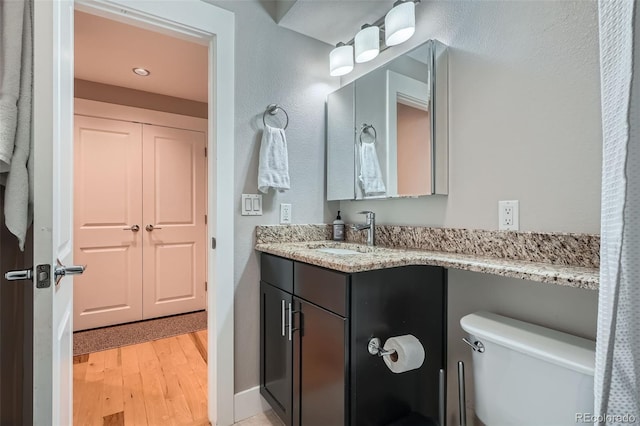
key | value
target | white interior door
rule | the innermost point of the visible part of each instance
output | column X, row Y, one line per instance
column 53, row 113
column 53, row 218
column 175, row 199
column 108, row 219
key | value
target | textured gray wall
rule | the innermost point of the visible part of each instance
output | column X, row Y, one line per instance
column 525, row 124
column 273, row 65
column 524, row 116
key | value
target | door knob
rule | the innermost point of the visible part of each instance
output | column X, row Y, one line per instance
column 151, row 227
column 24, row 274
column 70, row 270
column 133, row 228
column 61, row 270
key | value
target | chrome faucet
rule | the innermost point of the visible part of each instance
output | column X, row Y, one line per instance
column 369, row 225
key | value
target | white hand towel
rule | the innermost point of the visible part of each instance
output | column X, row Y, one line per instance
column 12, row 14
column 16, row 60
column 273, row 170
column 370, row 174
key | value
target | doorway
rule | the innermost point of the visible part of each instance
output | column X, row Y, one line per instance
column 204, row 22
column 140, row 219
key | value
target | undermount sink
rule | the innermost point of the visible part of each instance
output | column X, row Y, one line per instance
column 340, row 251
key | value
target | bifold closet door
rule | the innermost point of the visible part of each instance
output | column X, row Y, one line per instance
column 108, row 203
column 174, row 230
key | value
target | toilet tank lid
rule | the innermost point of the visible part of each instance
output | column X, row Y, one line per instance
column 553, row 346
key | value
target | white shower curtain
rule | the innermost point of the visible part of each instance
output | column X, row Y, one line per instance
column 617, row 375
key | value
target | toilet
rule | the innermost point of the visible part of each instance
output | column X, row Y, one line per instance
column 527, row 374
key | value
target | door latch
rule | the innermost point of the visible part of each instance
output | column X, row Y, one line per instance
column 43, row 276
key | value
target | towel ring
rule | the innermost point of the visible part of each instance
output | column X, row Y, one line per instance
column 272, row 109
column 364, row 129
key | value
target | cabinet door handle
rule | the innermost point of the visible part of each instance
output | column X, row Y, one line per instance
column 282, row 322
column 290, row 321
column 291, row 329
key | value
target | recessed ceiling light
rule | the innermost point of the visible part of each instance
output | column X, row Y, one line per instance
column 141, row 71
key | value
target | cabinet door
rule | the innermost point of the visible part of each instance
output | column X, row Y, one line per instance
column 275, row 350
column 320, row 366
column 414, row 304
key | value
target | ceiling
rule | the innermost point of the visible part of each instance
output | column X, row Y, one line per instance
column 107, row 50
column 331, row 21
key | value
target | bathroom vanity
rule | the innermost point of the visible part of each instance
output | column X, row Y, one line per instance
column 315, row 326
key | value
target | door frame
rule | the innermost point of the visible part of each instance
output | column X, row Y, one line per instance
column 213, row 26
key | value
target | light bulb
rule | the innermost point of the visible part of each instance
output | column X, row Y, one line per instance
column 143, row 72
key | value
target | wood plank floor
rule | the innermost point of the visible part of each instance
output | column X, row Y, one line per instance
column 163, row 382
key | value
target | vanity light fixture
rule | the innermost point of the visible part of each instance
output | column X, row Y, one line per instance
column 367, row 43
column 341, row 60
column 396, row 27
column 400, row 22
column 142, row 72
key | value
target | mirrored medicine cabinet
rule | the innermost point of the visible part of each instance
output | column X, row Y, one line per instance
column 387, row 131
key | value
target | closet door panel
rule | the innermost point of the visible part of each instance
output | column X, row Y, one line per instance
column 107, row 199
column 174, row 188
column 173, row 284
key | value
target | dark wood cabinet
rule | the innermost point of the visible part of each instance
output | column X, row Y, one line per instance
column 324, row 375
column 276, row 349
column 321, row 367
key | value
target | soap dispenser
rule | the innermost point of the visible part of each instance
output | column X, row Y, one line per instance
column 338, row 228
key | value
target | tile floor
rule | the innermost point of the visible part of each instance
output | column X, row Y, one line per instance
column 264, row 419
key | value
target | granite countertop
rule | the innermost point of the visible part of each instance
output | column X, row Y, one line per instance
column 371, row 258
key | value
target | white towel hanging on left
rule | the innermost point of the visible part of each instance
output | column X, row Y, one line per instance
column 16, row 95
column 273, row 170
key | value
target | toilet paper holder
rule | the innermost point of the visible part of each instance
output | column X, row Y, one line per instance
column 374, row 347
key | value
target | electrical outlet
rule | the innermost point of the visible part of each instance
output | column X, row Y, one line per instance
column 285, row 213
column 508, row 215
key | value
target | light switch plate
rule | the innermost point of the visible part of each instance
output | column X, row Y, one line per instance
column 251, row 205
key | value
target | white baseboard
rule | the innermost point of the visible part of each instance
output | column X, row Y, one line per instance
column 249, row 403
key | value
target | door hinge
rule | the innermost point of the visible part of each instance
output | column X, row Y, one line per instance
column 213, row 243
column 205, row 286
column 205, row 219
column 206, row 151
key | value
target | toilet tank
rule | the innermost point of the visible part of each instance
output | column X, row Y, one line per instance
column 527, row 374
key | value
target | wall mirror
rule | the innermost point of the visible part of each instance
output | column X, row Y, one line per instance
column 387, row 131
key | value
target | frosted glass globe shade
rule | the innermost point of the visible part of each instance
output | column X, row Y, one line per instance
column 341, row 61
column 400, row 23
column 367, row 44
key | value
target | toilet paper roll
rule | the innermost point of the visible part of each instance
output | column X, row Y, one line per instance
column 409, row 353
